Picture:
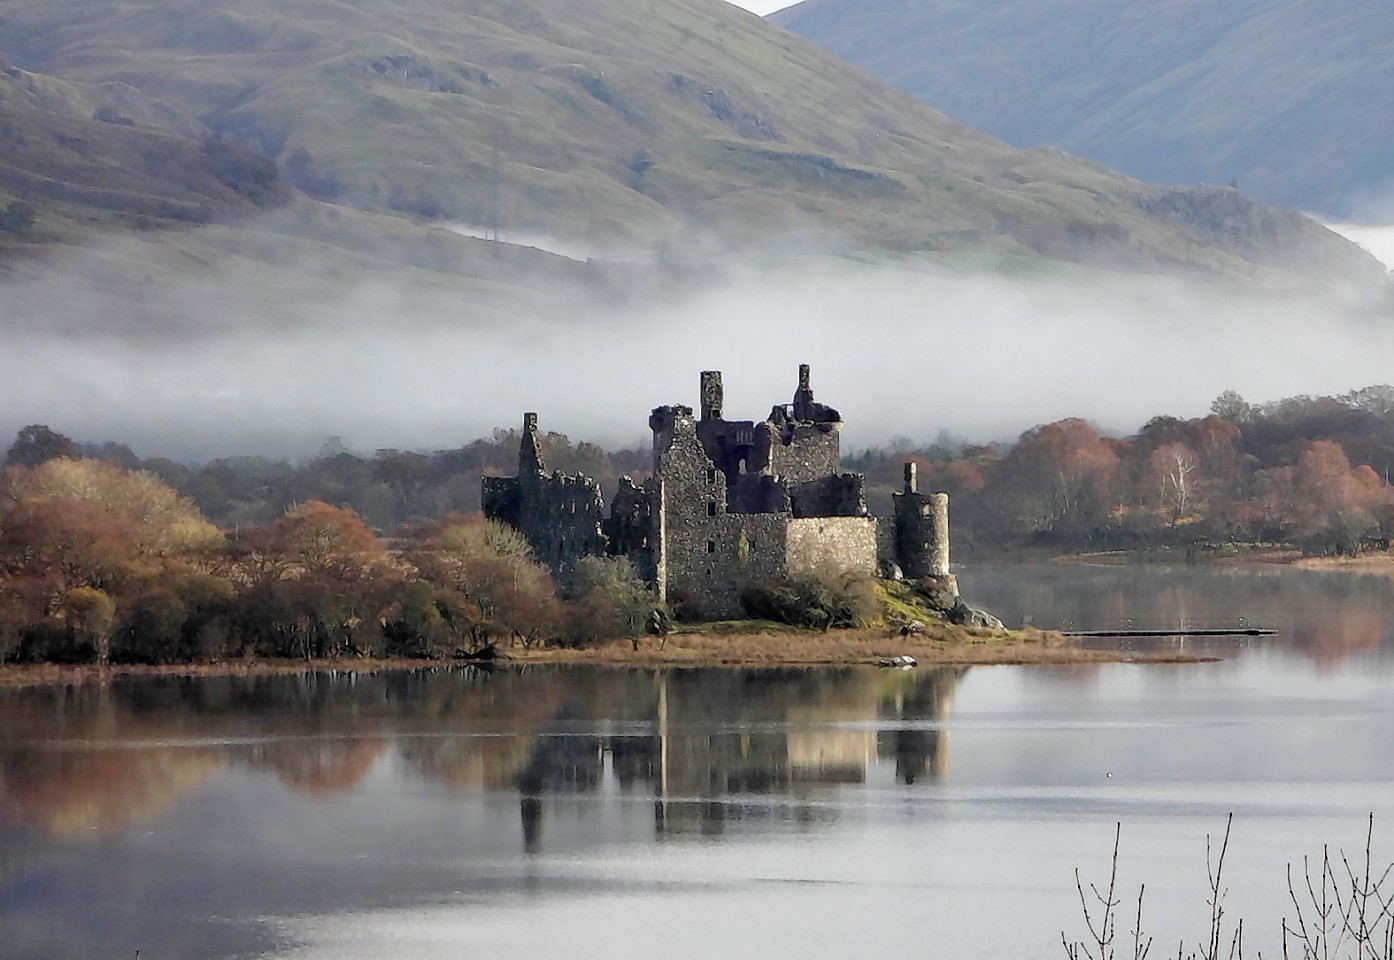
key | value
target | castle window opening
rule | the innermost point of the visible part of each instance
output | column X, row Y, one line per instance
column 711, row 546
column 711, row 508
column 711, row 476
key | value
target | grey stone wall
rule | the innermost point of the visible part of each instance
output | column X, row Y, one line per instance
column 922, row 529
column 886, row 549
column 759, row 493
column 798, row 442
column 835, row 495
column 707, row 555
column 841, row 544
column 730, row 502
column 803, row 452
column 561, row 516
column 499, row 499
column 629, row 529
column 661, row 422
column 711, row 395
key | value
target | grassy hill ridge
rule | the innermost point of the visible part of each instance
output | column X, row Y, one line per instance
column 627, row 121
column 1282, row 97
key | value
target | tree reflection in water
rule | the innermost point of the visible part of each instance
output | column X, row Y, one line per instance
column 711, row 747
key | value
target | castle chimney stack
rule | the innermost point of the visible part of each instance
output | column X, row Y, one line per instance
column 803, row 377
column 530, row 464
column 712, row 397
column 912, row 477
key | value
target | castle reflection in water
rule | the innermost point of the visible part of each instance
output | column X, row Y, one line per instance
column 709, row 747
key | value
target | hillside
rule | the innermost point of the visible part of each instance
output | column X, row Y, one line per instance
column 609, row 124
column 1285, row 98
column 74, row 150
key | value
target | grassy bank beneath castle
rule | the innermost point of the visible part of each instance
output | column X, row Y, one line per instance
column 732, row 644
column 762, row 644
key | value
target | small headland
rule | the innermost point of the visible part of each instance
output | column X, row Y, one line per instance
column 733, row 644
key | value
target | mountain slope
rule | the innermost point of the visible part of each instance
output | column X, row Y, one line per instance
column 73, row 149
column 1287, row 98
column 624, row 121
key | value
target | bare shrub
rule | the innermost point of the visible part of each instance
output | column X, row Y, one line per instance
column 607, row 600
column 1342, row 910
column 821, row 600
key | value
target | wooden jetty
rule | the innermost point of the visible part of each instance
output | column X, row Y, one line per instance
column 1178, row 632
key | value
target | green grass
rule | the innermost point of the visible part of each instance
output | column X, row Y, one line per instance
column 900, row 605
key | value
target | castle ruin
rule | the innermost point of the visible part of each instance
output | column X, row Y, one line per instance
column 729, row 502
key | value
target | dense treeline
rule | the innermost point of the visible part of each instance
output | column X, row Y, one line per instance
column 386, row 489
column 1310, row 472
column 102, row 563
column 105, row 557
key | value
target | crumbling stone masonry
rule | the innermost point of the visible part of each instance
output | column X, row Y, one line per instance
column 921, row 529
column 729, row 502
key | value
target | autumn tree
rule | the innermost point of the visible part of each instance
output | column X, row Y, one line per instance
column 488, row 583
column 1335, row 503
column 36, row 444
column 1230, row 406
column 316, row 583
column 61, row 564
column 1055, row 480
column 91, row 615
column 164, row 522
column 174, row 612
column 69, row 542
column 607, row 599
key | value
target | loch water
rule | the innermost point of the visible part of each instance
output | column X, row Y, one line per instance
column 809, row 813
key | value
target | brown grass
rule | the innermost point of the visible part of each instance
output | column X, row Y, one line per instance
column 762, row 646
column 939, row 646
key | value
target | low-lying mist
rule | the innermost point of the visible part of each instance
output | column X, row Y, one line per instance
column 224, row 355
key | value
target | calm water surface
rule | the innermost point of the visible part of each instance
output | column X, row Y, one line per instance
column 791, row 813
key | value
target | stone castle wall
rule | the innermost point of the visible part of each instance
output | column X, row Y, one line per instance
column 831, row 543
column 834, row 495
column 563, row 519
column 730, row 503
column 922, row 529
column 561, row 516
column 707, row 555
column 629, row 529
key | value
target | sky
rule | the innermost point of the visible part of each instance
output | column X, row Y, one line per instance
column 1378, row 240
column 763, row 7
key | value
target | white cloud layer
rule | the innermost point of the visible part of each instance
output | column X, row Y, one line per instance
column 221, row 363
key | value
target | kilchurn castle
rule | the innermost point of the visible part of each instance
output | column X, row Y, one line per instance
column 729, row 502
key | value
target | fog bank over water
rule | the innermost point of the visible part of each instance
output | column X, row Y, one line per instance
column 217, row 360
